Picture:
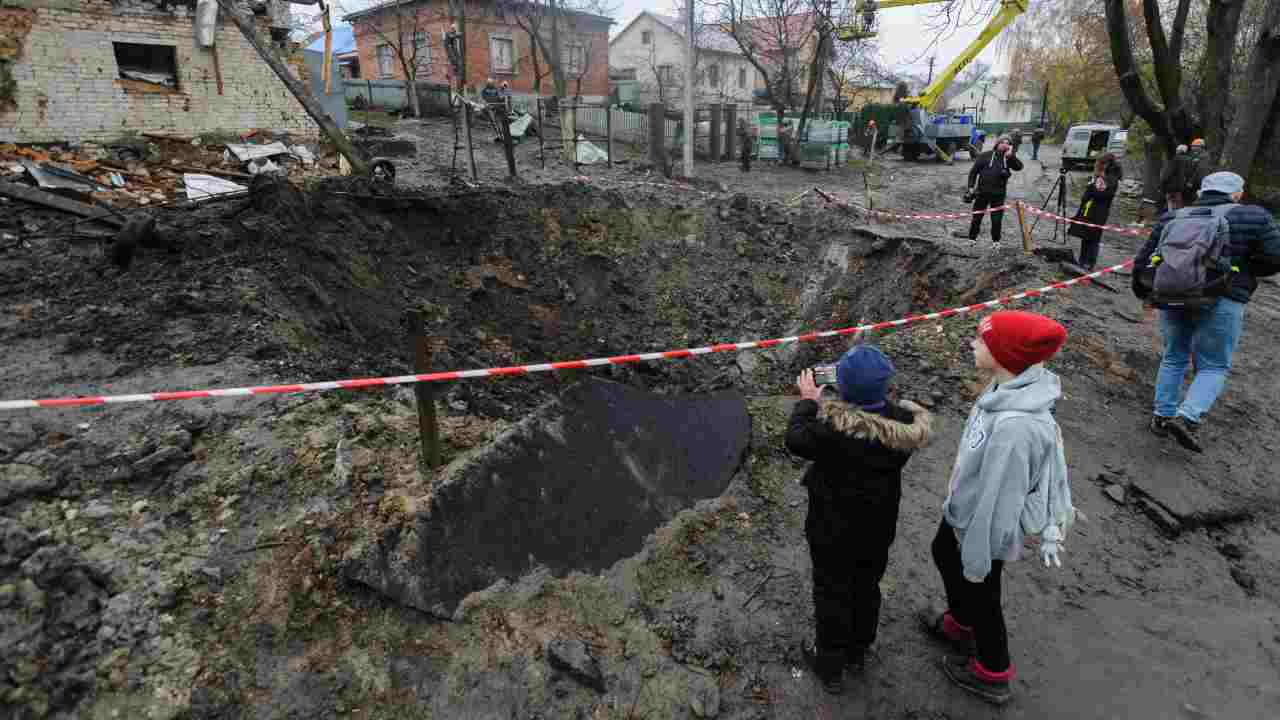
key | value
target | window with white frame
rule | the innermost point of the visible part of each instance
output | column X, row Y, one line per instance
column 742, row 77
column 422, row 49
column 666, row 74
column 713, row 76
column 386, row 61
column 502, row 54
column 575, row 59
column 646, row 37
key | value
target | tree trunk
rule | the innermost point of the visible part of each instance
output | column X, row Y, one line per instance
column 411, row 87
column 303, row 95
column 1261, row 94
column 1127, row 74
column 1152, row 169
column 568, row 132
column 1222, row 26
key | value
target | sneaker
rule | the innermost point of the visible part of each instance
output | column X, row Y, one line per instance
column 943, row 628
column 833, row 683
column 1159, row 425
column 1187, row 433
column 970, row 676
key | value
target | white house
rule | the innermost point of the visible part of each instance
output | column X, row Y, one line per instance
column 653, row 46
column 996, row 102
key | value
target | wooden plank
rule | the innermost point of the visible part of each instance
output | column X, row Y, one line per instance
column 49, row 200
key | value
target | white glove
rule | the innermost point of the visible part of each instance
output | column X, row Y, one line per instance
column 1050, row 546
column 973, row 579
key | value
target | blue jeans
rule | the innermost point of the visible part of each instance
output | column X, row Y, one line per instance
column 1212, row 334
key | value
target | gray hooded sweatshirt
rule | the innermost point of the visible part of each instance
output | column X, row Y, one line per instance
column 1010, row 476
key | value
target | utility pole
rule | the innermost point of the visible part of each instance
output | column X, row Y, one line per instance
column 1044, row 103
column 688, row 90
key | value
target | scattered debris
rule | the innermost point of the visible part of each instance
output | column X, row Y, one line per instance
column 574, row 658
column 40, row 197
column 1115, row 492
column 203, row 186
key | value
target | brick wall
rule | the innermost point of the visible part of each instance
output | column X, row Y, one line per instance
column 69, row 87
column 433, row 17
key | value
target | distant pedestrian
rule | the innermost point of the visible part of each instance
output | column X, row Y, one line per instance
column 1196, row 169
column 1009, row 480
column 1173, row 180
column 988, row 184
column 1015, row 139
column 1200, row 271
column 1095, row 208
column 859, row 440
column 1037, row 137
column 746, row 144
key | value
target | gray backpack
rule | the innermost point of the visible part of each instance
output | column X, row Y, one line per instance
column 1187, row 268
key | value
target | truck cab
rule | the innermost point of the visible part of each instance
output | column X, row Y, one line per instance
column 1087, row 142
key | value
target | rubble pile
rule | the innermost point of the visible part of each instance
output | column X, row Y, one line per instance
column 160, row 167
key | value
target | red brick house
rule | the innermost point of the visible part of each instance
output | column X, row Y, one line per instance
column 497, row 45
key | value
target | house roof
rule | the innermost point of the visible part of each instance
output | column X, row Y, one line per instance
column 710, row 36
column 344, row 40
column 511, row 5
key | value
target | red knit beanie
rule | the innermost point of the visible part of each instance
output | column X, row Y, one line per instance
column 1017, row 340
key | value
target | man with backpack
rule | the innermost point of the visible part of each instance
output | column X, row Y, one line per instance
column 1199, row 268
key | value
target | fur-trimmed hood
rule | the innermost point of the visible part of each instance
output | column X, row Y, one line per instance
column 857, row 423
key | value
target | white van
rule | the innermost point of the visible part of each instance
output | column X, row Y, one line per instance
column 1087, row 142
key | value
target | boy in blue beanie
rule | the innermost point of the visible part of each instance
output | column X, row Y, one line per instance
column 858, row 443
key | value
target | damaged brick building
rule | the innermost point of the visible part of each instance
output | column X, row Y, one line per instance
column 96, row 70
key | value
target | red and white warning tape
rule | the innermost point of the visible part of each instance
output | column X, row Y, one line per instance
column 1136, row 232
column 544, row 367
column 936, row 216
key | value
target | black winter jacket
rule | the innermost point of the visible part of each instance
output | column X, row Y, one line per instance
column 857, row 456
column 1095, row 204
column 992, row 172
column 1254, row 245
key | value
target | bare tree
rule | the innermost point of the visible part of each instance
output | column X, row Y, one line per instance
column 403, row 28
column 553, row 28
column 771, row 35
column 854, row 67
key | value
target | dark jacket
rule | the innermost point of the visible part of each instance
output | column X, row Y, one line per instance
column 1037, row 136
column 1254, row 245
column 857, row 459
column 992, row 172
column 1095, row 204
column 1182, row 175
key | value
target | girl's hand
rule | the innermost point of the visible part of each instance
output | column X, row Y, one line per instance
column 809, row 390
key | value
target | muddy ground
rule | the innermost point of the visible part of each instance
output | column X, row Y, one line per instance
column 185, row 559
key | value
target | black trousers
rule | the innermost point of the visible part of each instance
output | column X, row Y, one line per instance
column 1089, row 248
column 850, row 531
column 975, row 605
column 982, row 202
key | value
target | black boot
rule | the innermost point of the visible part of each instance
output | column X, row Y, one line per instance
column 829, row 667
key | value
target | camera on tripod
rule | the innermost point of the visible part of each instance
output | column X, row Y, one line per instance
column 1063, row 170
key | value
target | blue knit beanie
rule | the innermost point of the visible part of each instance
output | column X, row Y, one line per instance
column 863, row 374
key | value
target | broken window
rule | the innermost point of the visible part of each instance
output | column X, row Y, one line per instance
column 154, row 65
column 742, row 77
column 646, row 37
column 713, row 75
column 575, row 59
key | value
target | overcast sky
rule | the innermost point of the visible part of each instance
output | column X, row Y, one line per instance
column 903, row 34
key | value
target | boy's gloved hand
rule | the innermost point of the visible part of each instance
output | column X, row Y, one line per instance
column 1050, row 546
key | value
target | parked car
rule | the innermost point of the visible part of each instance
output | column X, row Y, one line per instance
column 1087, row 142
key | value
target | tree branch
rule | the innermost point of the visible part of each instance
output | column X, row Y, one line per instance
column 1127, row 73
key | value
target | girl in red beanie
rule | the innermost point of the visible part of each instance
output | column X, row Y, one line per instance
column 1009, row 480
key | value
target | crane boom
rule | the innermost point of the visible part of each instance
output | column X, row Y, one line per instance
column 929, row 97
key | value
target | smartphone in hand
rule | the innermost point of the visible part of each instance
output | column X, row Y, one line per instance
column 824, row 375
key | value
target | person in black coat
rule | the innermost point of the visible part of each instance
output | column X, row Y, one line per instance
column 988, row 183
column 1095, row 207
column 858, row 443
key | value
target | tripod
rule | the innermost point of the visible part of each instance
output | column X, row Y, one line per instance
column 1059, row 187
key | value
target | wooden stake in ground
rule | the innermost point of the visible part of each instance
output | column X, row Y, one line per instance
column 317, row 113
column 428, row 430
column 1026, row 233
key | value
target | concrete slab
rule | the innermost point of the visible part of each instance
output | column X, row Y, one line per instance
column 578, row 485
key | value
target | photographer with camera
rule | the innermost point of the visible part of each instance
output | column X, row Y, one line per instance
column 1095, row 208
column 988, row 183
column 859, row 440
